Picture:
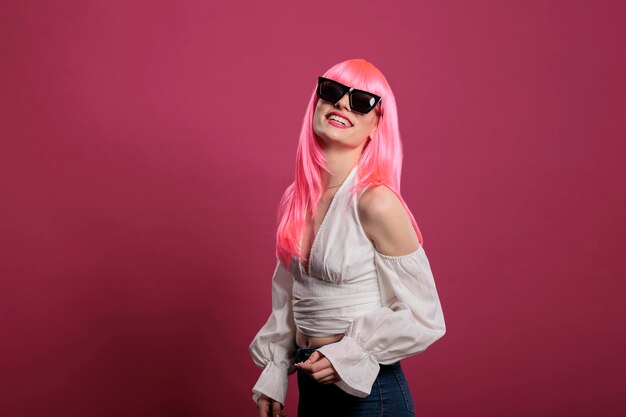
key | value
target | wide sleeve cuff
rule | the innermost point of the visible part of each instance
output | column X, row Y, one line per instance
column 273, row 382
column 356, row 367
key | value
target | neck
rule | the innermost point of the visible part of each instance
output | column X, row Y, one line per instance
column 339, row 163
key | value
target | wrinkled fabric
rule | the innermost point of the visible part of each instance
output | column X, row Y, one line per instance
column 273, row 346
column 386, row 306
column 341, row 282
column 410, row 321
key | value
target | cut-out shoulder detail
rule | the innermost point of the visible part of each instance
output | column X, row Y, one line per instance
column 399, row 257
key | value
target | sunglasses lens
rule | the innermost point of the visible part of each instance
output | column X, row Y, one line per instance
column 330, row 91
column 362, row 102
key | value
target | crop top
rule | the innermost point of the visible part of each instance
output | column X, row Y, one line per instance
column 341, row 283
column 386, row 306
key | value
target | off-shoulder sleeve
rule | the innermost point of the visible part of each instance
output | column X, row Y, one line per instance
column 273, row 348
column 410, row 320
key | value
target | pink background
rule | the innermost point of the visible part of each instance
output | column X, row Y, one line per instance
column 144, row 147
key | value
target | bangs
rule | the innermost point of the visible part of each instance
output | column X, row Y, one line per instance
column 359, row 74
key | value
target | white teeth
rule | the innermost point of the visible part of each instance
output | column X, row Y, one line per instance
column 339, row 119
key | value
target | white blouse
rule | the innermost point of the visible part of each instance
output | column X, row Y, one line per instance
column 386, row 306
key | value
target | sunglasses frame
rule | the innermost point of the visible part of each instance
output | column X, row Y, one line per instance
column 350, row 91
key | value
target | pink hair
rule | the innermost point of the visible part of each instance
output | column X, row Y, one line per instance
column 380, row 161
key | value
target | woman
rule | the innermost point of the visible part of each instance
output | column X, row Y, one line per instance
column 352, row 292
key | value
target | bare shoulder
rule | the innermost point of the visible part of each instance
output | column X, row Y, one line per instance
column 379, row 201
column 386, row 222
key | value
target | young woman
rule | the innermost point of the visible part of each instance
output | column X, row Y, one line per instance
column 352, row 292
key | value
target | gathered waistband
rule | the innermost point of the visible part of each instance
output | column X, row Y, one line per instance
column 333, row 314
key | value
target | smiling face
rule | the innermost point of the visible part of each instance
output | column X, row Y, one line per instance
column 337, row 123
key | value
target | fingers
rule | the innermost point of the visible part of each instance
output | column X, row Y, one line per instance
column 319, row 368
column 315, row 356
column 263, row 404
column 331, row 379
column 321, row 371
column 277, row 409
column 314, row 367
column 269, row 408
column 325, row 375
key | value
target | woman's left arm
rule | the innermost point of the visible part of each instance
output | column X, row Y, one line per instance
column 411, row 318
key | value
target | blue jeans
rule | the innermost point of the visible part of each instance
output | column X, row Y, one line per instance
column 390, row 395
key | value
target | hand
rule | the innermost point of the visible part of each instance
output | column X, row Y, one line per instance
column 319, row 368
column 269, row 407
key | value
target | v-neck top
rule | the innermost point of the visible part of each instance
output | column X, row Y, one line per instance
column 387, row 307
column 341, row 282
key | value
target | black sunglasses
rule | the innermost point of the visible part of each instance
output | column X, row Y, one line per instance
column 360, row 101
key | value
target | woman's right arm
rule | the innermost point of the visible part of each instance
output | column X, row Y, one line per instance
column 273, row 348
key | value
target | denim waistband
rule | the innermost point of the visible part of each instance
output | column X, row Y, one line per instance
column 302, row 354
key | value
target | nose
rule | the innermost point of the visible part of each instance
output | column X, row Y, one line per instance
column 343, row 102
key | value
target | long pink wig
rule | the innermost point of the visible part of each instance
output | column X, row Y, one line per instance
column 380, row 161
